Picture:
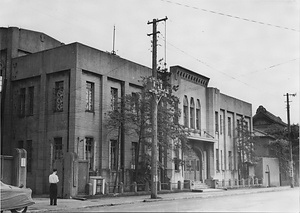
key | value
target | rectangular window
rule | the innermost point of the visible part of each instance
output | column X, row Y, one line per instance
column 198, row 118
column 192, row 165
column 59, row 96
column 198, row 165
column 21, row 144
column 89, row 151
column 229, row 126
column 217, row 160
column 89, row 99
column 176, row 117
column 216, row 122
column 22, row 102
column 58, row 148
column 113, row 155
column 185, row 115
column 114, row 98
column 230, row 160
column 29, row 155
column 222, row 166
column 176, row 160
column 221, row 124
column 30, row 100
column 135, row 102
column 134, row 150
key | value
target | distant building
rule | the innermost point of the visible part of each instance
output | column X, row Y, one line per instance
column 55, row 104
column 268, row 167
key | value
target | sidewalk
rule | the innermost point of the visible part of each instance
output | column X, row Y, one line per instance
column 42, row 204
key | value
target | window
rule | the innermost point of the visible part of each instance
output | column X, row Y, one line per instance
column 89, row 151
column 176, row 117
column 217, row 160
column 59, row 96
column 216, row 122
column 229, row 126
column 192, row 113
column 222, row 166
column 198, row 115
column 198, row 165
column 114, row 98
column 113, row 155
column 221, row 124
column 21, row 144
column 30, row 100
column 176, row 160
column 135, row 102
column 134, row 153
column 230, row 160
column 22, row 102
column 29, row 155
column 89, row 97
column 185, row 111
column 58, row 148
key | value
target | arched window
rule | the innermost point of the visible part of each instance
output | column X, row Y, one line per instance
column 198, row 115
column 185, row 111
column 192, row 113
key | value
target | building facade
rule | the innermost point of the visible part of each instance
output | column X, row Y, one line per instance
column 211, row 118
column 55, row 106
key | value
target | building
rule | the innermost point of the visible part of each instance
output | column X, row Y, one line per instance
column 55, row 103
column 211, row 118
column 268, row 166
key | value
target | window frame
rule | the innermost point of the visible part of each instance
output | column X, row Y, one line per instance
column 89, row 96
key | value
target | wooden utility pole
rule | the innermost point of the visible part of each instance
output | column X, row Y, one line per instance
column 289, row 138
column 154, row 177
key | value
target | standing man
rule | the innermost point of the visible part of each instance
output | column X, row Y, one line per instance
column 53, row 180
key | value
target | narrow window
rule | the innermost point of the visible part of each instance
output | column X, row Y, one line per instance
column 229, row 126
column 114, row 98
column 30, row 100
column 89, row 151
column 135, row 102
column 230, row 160
column 198, row 165
column 113, row 155
column 59, row 96
column 21, row 144
column 185, row 111
column 192, row 113
column 134, row 149
column 198, row 115
column 222, row 168
column 176, row 117
column 58, row 148
column 89, row 97
column 221, row 124
column 217, row 160
column 22, row 102
column 29, row 155
column 176, row 160
column 216, row 122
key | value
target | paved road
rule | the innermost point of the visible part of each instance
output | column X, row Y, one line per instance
column 278, row 201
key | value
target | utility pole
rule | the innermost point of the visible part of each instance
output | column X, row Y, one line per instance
column 289, row 138
column 154, row 177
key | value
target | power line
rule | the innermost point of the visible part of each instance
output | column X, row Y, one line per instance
column 270, row 67
column 232, row 16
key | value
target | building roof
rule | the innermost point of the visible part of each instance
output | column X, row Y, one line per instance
column 263, row 114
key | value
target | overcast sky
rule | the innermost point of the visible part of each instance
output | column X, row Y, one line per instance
column 248, row 48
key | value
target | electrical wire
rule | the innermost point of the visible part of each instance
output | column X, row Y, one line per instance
column 232, row 16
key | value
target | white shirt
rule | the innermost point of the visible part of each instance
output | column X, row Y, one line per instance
column 53, row 178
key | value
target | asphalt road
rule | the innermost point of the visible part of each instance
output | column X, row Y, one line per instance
column 278, row 201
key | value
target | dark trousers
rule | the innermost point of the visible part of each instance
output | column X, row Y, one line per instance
column 53, row 193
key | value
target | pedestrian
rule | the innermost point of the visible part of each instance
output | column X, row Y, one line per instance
column 53, row 180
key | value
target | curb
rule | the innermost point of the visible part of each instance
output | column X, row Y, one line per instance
column 168, row 197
